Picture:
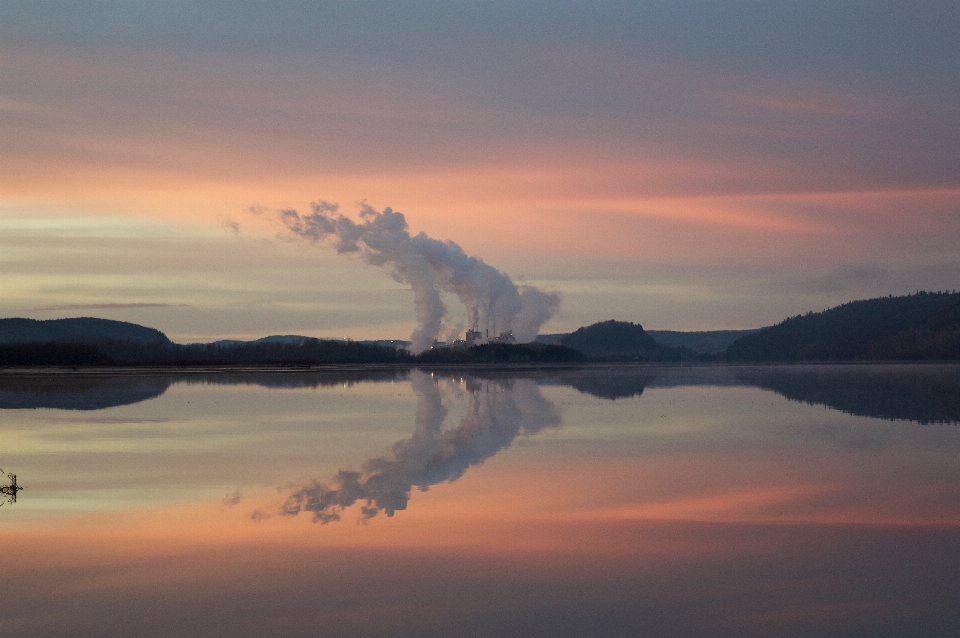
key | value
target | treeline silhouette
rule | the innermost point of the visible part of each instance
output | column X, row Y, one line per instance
column 114, row 352
column 922, row 326
column 502, row 353
column 52, row 354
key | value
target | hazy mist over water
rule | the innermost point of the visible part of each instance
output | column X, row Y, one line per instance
column 601, row 500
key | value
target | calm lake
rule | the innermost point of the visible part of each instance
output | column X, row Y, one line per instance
column 599, row 501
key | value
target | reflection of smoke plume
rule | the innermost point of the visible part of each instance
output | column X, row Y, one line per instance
column 497, row 412
column 492, row 300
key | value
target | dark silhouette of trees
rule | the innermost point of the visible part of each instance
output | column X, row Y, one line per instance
column 18, row 330
column 922, row 326
column 502, row 353
column 52, row 354
column 113, row 352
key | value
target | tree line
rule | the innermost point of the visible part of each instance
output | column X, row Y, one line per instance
column 113, row 352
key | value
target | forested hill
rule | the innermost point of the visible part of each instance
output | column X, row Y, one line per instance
column 922, row 326
column 80, row 329
column 618, row 341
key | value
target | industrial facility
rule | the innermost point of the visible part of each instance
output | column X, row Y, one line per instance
column 475, row 337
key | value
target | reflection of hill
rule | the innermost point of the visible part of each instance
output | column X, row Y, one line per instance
column 612, row 388
column 67, row 391
column 76, row 392
column 615, row 381
column 605, row 383
column 921, row 393
column 925, row 393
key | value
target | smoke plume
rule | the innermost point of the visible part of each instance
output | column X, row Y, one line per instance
column 497, row 412
column 493, row 302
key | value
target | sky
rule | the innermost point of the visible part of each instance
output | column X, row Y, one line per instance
column 685, row 165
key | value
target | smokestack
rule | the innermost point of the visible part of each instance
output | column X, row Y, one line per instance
column 429, row 266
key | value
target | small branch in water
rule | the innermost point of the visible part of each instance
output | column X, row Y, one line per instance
column 10, row 490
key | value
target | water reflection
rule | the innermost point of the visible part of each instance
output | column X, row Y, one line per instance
column 608, row 382
column 705, row 505
column 921, row 393
column 498, row 410
column 924, row 393
column 98, row 391
column 78, row 391
column 322, row 378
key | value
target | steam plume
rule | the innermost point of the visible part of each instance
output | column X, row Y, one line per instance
column 493, row 302
column 498, row 411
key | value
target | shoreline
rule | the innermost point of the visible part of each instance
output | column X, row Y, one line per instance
column 453, row 367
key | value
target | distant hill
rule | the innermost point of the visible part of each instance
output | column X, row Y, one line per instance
column 80, row 329
column 923, row 326
column 300, row 339
column 296, row 339
column 704, row 341
column 618, row 341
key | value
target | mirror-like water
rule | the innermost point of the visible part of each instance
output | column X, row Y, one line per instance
column 601, row 501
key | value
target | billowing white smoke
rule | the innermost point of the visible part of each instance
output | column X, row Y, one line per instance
column 493, row 302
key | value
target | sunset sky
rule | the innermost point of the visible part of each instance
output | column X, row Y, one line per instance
column 686, row 165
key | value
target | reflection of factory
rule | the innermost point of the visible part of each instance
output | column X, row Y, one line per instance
column 474, row 338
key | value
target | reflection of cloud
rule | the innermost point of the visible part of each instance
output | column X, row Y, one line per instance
column 497, row 412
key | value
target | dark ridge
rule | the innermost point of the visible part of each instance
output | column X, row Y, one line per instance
column 923, row 326
column 619, row 341
column 80, row 329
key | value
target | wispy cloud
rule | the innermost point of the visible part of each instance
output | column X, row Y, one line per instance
column 109, row 306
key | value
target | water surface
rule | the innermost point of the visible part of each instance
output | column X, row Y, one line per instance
column 620, row 501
